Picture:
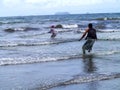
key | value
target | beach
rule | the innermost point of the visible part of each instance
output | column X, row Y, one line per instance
column 47, row 75
column 31, row 60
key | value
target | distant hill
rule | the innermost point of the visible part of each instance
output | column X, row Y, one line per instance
column 62, row 13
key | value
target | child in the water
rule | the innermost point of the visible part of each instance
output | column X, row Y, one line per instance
column 53, row 32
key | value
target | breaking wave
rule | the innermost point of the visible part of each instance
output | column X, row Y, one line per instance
column 108, row 30
column 68, row 26
column 100, row 30
column 107, row 18
column 38, row 34
column 43, row 33
column 15, row 43
column 91, row 78
column 12, row 22
column 28, row 60
column 32, row 42
column 37, row 59
column 86, row 78
column 20, row 29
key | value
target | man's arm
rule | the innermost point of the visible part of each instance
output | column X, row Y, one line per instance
column 84, row 34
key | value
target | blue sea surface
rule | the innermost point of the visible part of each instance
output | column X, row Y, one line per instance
column 31, row 60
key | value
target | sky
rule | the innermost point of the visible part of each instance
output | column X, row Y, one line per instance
column 50, row 7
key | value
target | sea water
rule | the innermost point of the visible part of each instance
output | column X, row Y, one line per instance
column 30, row 59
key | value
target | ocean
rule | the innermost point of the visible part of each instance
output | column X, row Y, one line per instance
column 31, row 60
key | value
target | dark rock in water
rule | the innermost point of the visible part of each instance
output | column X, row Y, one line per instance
column 58, row 26
column 9, row 30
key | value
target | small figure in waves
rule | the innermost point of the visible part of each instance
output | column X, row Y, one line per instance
column 53, row 32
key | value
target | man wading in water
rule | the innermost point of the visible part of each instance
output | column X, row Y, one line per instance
column 91, row 37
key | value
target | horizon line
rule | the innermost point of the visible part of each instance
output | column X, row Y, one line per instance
column 59, row 14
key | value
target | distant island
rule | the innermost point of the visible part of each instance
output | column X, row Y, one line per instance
column 62, row 13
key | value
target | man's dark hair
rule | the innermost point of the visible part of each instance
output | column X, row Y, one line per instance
column 90, row 25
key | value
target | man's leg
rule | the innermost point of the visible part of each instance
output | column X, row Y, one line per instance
column 83, row 49
column 91, row 44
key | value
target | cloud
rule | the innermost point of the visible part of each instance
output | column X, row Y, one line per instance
column 58, row 4
column 35, row 1
column 53, row 3
column 27, row 7
column 9, row 3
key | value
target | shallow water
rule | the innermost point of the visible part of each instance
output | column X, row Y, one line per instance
column 53, row 75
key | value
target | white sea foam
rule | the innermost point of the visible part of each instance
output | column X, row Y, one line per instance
column 30, row 59
column 103, row 53
column 109, row 30
column 13, row 43
column 92, row 77
column 86, row 78
column 70, row 26
column 13, row 29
